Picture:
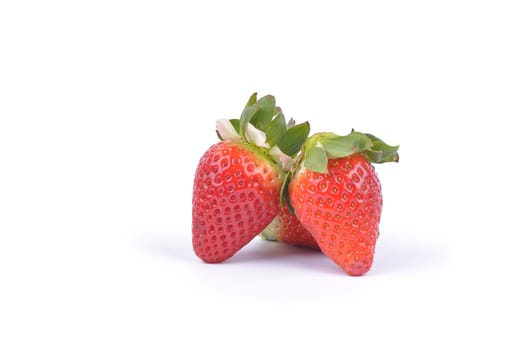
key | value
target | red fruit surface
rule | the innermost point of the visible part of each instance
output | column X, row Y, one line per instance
column 286, row 228
column 235, row 196
column 341, row 209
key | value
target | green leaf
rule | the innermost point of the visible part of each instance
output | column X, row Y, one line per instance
column 381, row 156
column 246, row 116
column 251, row 100
column 316, row 159
column 294, row 138
column 284, row 189
column 381, row 152
column 343, row 146
column 264, row 115
column 372, row 137
column 236, row 124
column 276, row 130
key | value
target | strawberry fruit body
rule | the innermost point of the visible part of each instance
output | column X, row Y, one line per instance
column 336, row 195
column 286, row 228
column 341, row 209
column 235, row 196
column 238, row 181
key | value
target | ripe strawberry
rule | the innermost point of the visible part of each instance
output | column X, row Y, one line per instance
column 238, row 181
column 286, row 228
column 236, row 195
column 336, row 195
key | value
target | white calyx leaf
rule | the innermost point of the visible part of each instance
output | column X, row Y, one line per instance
column 255, row 136
column 227, row 131
column 285, row 160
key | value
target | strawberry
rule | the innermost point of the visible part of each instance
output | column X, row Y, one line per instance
column 238, row 181
column 286, row 228
column 336, row 195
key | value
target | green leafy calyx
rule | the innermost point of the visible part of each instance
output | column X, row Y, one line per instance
column 320, row 147
column 263, row 124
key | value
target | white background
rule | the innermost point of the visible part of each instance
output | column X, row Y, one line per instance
column 107, row 106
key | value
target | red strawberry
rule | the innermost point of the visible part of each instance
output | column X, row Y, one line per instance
column 336, row 195
column 235, row 196
column 286, row 228
column 238, row 181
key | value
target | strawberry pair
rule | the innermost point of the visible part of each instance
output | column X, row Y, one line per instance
column 266, row 176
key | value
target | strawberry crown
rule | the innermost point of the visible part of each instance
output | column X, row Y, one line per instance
column 319, row 147
column 263, row 124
